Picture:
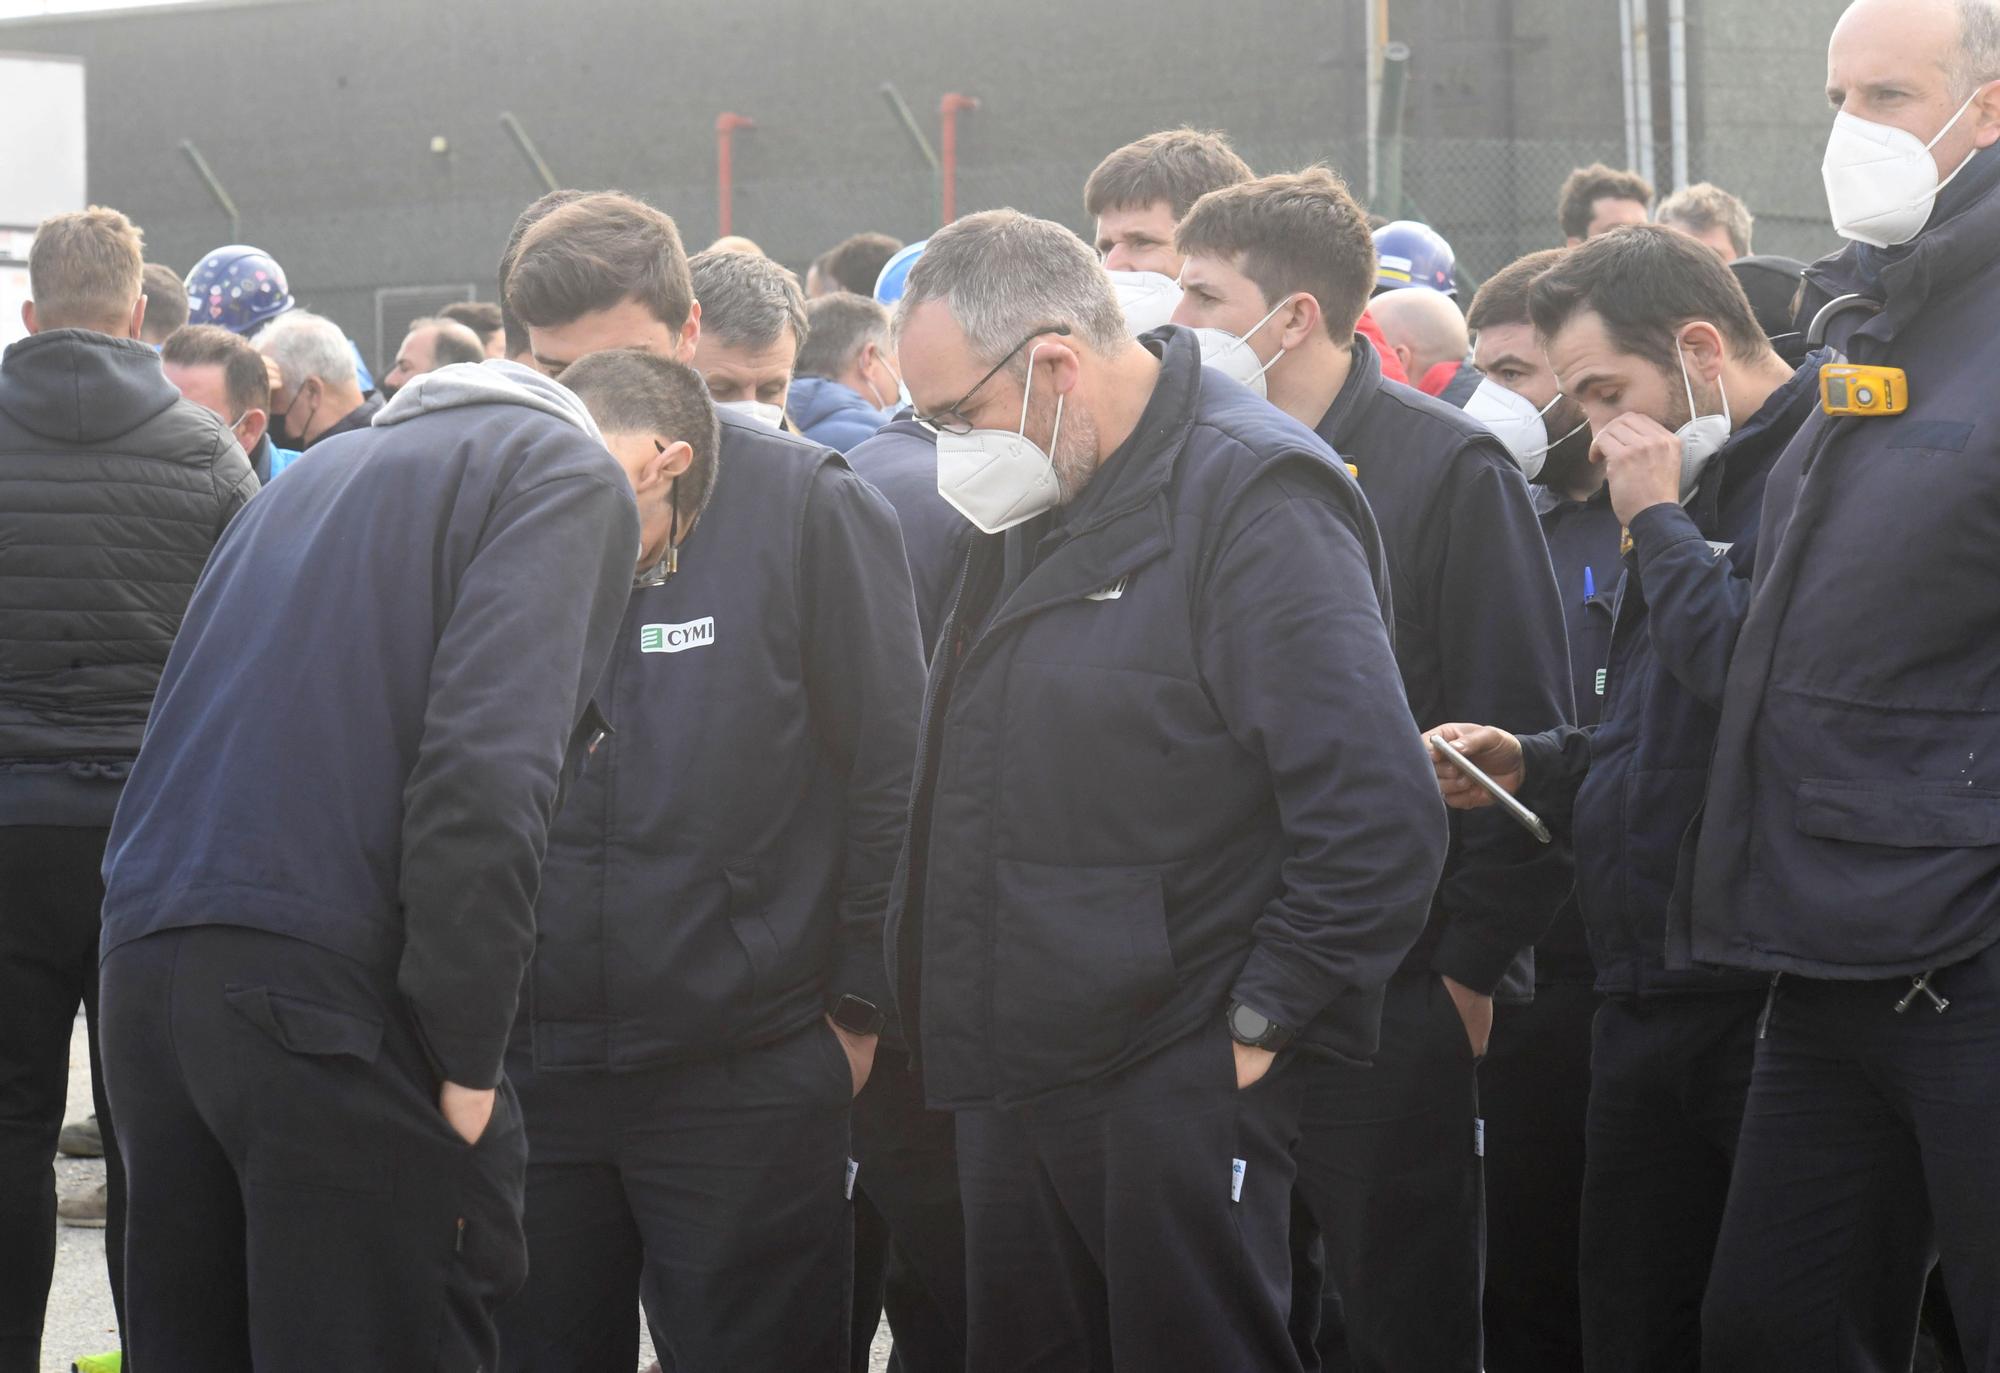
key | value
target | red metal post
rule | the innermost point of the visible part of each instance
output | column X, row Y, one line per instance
column 948, row 112
column 726, row 126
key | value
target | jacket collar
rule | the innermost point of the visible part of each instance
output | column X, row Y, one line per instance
column 1548, row 500
column 1961, row 243
column 1350, row 408
column 1120, row 527
column 1750, row 448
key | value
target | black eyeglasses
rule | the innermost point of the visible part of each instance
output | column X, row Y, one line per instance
column 950, row 420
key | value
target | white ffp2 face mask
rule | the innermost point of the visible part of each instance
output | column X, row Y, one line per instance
column 1148, row 299
column 765, row 413
column 998, row 478
column 1232, row 355
column 1703, row 436
column 1881, row 182
column 1516, row 422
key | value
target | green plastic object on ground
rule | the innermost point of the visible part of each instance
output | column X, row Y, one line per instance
column 113, row 1362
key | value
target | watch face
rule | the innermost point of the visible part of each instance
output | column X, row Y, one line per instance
column 1248, row 1025
column 857, row 1016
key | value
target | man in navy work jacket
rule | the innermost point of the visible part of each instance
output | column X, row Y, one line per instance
column 1534, row 1084
column 1277, row 272
column 1851, row 846
column 1653, row 337
column 1168, row 813
column 321, row 878
column 708, row 989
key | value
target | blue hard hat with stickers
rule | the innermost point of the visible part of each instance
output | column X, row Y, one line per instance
column 238, row 287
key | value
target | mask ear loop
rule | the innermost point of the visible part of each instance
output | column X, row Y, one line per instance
column 673, row 558
column 1027, row 390
column 1245, row 339
column 1949, row 124
column 1543, row 413
column 1687, row 381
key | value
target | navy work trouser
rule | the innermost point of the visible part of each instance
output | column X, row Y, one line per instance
column 1870, row 1148
column 1390, row 1179
column 1533, row 1086
column 1135, row 1222
column 50, row 895
column 909, row 1226
column 297, row 1200
column 713, row 1193
column 1668, row 1075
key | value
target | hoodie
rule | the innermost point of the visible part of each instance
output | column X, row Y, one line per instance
column 832, row 415
column 112, row 492
column 432, row 599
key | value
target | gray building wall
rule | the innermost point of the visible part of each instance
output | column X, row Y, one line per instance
column 319, row 114
column 1761, row 117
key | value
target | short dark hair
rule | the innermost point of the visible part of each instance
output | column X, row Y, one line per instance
column 746, row 301
column 516, row 332
column 855, row 262
column 628, row 391
column 1503, row 299
column 1585, row 186
column 166, row 301
column 1297, row 231
column 482, row 317
column 244, row 378
column 594, row 253
column 1178, row 166
column 1646, row 283
column 836, row 328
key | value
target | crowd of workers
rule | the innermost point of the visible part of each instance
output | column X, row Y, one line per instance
column 1214, row 799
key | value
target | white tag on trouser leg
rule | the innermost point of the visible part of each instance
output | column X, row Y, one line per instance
column 1237, row 1167
column 853, row 1172
column 1478, row 1137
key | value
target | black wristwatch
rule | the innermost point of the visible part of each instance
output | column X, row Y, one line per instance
column 858, row 1016
column 1256, row 1030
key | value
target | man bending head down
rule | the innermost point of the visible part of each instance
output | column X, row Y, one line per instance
column 603, row 271
column 660, row 424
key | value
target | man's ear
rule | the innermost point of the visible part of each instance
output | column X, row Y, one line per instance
column 252, row 423
column 1986, row 115
column 28, row 316
column 1065, row 368
column 1301, row 320
column 138, row 318
column 690, row 334
column 669, row 460
column 1703, row 347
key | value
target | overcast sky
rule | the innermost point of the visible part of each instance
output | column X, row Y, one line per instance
column 23, row 9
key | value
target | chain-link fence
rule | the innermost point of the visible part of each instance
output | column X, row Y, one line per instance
column 1492, row 199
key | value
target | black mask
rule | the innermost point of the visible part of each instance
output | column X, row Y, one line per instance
column 281, row 431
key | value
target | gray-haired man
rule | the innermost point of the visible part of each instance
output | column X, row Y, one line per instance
column 319, row 392
column 753, row 321
column 1145, row 867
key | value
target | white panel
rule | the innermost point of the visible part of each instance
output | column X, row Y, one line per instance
column 13, row 295
column 41, row 138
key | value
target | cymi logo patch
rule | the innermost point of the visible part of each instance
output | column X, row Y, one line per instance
column 677, row 638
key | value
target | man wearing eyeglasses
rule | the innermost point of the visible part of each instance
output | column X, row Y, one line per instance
column 708, row 987
column 1171, row 826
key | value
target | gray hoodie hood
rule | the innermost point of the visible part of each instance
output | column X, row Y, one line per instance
column 493, row 382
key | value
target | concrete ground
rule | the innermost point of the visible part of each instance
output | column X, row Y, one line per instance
column 80, row 1319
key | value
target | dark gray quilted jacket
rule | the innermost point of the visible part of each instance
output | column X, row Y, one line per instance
column 112, row 492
